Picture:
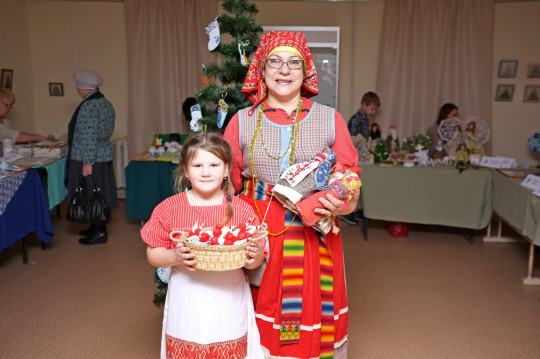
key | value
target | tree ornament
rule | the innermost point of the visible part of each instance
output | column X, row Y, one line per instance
column 222, row 109
column 243, row 58
column 205, row 79
column 213, row 32
column 196, row 115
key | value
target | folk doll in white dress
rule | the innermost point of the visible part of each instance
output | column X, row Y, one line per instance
column 207, row 314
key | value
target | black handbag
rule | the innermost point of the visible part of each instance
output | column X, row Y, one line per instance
column 86, row 206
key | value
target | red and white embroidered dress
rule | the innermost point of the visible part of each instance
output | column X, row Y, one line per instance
column 206, row 314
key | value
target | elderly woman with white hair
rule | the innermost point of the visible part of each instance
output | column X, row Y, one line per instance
column 90, row 149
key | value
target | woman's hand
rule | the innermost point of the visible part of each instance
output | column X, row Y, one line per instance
column 86, row 170
column 334, row 206
column 184, row 256
column 255, row 255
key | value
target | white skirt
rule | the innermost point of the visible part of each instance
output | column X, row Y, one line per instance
column 205, row 307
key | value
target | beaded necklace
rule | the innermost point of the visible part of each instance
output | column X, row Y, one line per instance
column 292, row 141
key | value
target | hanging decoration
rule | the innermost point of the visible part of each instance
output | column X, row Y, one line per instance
column 222, row 110
column 213, row 32
column 243, row 58
column 205, row 79
column 196, row 116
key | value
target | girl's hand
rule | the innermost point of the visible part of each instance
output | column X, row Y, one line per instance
column 333, row 206
column 255, row 255
column 184, row 256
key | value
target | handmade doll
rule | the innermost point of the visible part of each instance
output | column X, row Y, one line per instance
column 343, row 188
column 473, row 142
column 310, row 178
column 462, row 157
column 303, row 177
column 392, row 141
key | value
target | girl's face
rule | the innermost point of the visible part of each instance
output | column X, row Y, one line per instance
column 206, row 173
column 283, row 83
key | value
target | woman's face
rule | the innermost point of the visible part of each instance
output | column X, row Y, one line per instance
column 283, row 84
column 453, row 114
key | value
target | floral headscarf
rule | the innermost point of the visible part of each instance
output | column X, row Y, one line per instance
column 254, row 86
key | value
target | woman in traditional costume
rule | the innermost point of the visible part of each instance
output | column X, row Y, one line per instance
column 300, row 303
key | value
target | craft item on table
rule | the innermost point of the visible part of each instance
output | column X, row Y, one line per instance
column 241, row 49
column 196, row 116
column 438, row 155
column 361, row 145
column 342, row 188
column 213, row 33
column 381, row 152
column 49, row 149
column 205, row 78
column 462, row 158
column 392, row 140
column 476, row 134
column 222, row 110
column 421, row 155
column 451, row 132
column 23, row 150
column 534, row 145
column 303, row 177
column 374, row 136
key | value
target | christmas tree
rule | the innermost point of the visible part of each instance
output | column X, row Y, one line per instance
column 222, row 98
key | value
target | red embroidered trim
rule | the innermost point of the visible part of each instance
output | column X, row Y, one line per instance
column 230, row 349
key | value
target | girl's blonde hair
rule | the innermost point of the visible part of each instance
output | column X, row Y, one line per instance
column 214, row 143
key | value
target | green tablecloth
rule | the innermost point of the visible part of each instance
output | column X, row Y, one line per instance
column 428, row 195
column 147, row 184
column 517, row 205
column 56, row 188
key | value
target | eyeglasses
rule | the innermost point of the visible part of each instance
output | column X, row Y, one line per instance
column 10, row 105
column 294, row 64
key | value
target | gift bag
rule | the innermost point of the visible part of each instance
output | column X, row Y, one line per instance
column 398, row 229
column 88, row 204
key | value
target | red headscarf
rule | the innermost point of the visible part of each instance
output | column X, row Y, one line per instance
column 254, row 86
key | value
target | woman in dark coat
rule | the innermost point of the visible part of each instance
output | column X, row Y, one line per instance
column 90, row 149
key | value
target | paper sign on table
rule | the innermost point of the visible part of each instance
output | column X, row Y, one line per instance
column 532, row 182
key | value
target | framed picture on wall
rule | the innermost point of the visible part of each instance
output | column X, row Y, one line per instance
column 56, row 89
column 508, row 68
column 505, row 93
column 533, row 71
column 532, row 94
column 6, row 79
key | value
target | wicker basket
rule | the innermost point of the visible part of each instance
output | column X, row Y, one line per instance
column 218, row 258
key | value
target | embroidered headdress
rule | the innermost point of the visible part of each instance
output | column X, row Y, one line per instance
column 255, row 88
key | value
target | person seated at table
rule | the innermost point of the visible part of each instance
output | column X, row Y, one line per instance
column 447, row 111
column 7, row 100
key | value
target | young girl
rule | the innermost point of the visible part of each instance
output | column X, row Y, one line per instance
column 207, row 314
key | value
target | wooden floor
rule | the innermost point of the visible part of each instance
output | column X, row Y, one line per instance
column 430, row 295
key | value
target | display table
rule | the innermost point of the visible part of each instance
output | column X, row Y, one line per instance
column 520, row 209
column 427, row 195
column 55, row 181
column 147, row 184
column 23, row 210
